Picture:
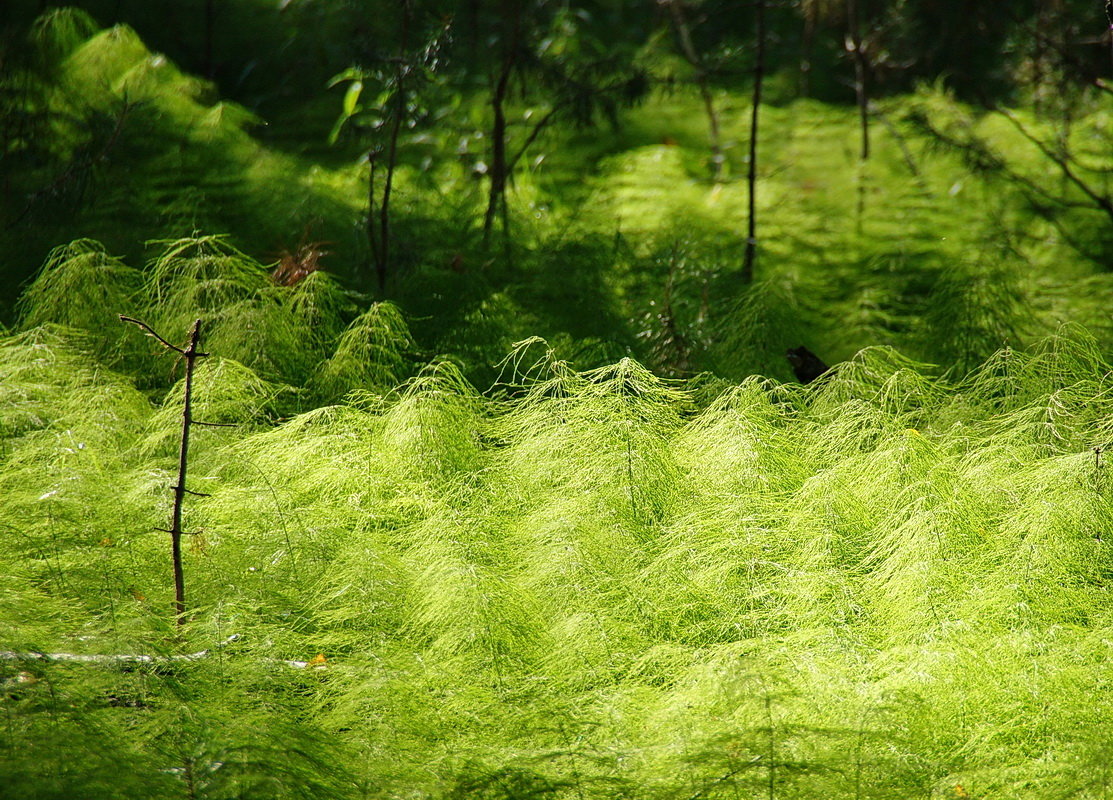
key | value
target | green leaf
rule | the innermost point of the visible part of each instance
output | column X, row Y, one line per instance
column 349, row 110
column 350, row 74
column 334, row 134
column 351, row 98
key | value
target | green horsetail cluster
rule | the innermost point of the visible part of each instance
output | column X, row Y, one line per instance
column 573, row 584
column 533, row 509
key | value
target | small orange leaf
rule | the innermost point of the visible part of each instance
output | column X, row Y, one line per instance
column 138, row 595
column 106, row 542
column 318, row 660
column 960, row 791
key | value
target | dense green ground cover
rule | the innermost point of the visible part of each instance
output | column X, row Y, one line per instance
column 439, row 557
column 578, row 584
column 620, row 244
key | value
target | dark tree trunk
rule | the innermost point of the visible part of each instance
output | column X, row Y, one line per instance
column 861, row 73
column 807, row 47
column 496, row 197
column 380, row 246
column 751, row 177
column 373, row 218
column 499, row 169
column 683, row 34
column 382, row 264
column 189, row 354
column 210, row 27
column 1109, row 16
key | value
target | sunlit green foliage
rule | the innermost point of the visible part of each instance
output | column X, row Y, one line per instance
column 294, row 335
column 81, row 286
column 423, row 561
column 136, row 149
column 373, row 353
column 621, row 244
column 594, row 586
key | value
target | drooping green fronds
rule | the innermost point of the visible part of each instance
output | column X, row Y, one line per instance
column 225, row 393
column 59, row 31
column 46, row 374
column 759, row 325
column 321, row 306
column 973, row 313
column 373, row 354
column 205, row 272
column 877, row 585
column 247, row 317
column 81, row 286
column 590, row 582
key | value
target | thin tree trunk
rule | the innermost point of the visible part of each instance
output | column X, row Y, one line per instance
column 688, row 49
column 187, row 773
column 1109, row 32
column 473, row 24
column 861, row 74
column 382, row 264
column 861, row 95
column 189, row 354
column 210, row 27
column 372, row 223
column 497, row 190
column 499, row 169
column 382, row 260
column 807, row 46
column 772, row 764
column 1064, row 33
column 751, row 177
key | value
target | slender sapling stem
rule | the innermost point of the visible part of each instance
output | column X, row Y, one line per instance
column 189, row 354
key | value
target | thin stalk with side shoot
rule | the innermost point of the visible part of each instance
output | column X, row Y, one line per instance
column 190, row 353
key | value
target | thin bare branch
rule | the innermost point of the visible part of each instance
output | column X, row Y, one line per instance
column 189, row 354
column 1103, row 202
column 151, row 332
